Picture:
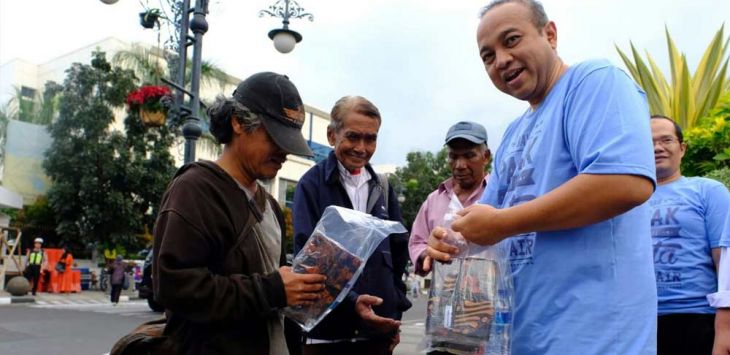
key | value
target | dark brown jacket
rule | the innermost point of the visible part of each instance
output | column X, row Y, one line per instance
column 207, row 271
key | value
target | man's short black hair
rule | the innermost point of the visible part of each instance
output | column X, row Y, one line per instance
column 539, row 17
column 677, row 129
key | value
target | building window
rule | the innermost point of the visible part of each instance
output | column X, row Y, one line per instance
column 286, row 192
column 27, row 92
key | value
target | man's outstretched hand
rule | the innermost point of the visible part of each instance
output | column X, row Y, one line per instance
column 364, row 308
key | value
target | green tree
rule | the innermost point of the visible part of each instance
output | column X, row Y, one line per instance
column 688, row 97
column 89, row 180
column 148, row 167
column 417, row 179
column 708, row 143
column 36, row 220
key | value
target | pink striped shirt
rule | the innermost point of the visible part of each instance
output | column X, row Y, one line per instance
column 432, row 214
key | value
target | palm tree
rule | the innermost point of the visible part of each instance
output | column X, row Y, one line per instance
column 149, row 65
column 688, row 97
column 40, row 108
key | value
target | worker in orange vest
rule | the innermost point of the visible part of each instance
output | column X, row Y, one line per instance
column 66, row 276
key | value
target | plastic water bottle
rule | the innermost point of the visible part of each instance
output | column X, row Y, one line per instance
column 499, row 339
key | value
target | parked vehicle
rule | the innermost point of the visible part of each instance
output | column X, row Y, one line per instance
column 145, row 289
column 104, row 280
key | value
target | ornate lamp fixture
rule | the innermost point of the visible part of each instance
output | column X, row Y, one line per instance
column 284, row 38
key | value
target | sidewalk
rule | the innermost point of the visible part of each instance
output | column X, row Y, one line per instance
column 66, row 298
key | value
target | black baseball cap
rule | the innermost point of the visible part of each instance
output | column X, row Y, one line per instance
column 275, row 98
column 471, row 131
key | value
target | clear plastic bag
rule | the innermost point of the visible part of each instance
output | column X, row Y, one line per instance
column 470, row 300
column 454, row 238
column 338, row 248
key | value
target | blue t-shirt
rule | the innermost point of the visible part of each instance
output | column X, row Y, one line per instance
column 588, row 290
column 687, row 221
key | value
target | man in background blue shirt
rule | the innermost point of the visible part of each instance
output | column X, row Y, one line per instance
column 688, row 219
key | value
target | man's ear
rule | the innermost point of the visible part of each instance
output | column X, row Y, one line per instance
column 331, row 136
column 550, row 31
column 682, row 149
column 236, row 126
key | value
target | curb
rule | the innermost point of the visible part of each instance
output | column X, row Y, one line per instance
column 22, row 299
column 4, row 301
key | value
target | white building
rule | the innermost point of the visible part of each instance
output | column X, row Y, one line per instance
column 30, row 78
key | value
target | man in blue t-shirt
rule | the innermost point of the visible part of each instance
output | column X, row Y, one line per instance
column 687, row 222
column 566, row 192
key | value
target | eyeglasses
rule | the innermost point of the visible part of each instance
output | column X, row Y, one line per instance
column 666, row 141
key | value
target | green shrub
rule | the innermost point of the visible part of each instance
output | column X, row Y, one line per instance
column 708, row 143
column 721, row 175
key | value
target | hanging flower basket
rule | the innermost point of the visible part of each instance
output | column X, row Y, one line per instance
column 153, row 118
column 146, row 100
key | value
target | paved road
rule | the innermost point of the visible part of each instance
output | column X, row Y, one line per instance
column 72, row 328
column 412, row 328
column 91, row 327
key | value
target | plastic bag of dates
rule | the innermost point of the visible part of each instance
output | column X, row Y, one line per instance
column 338, row 248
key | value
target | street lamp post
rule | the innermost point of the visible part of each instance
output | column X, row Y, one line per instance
column 198, row 25
column 284, row 41
column 191, row 129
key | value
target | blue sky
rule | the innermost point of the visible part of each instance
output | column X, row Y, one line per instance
column 416, row 60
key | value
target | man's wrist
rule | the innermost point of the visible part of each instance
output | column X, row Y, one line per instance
column 722, row 318
column 511, row 221
column 419, row 264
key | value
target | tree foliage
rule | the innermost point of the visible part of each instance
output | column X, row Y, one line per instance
column 708, row 143
column 149, row 168
column 417, row 179
column 722, row 175
column 106, row 185
column 36, row 220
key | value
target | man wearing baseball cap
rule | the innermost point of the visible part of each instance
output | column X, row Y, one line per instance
column 36, row 263
column 219, row 236
column 468, row 157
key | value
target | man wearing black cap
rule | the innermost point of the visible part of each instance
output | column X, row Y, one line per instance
column 219, row 235
column 468, row 157
column 367, row 321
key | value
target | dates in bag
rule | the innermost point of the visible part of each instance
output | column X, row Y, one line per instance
column 338, row 248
